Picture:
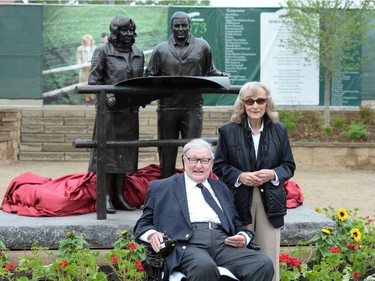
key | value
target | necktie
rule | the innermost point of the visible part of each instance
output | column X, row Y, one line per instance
column 211, row 201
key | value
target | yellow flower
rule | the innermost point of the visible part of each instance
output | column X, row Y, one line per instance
column 124, row 232
column 318, row 210
column 325, row 231
column 69, row 234
column 355, row 234
column 342, row 214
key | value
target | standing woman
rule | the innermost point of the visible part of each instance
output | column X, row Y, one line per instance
column 84, row 55
column 254, row 158
column 117, row 60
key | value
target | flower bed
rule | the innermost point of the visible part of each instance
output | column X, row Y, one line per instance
column 75, row 261
column 344, row 253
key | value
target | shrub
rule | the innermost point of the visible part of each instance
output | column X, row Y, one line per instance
column 290, row 120
column 356, row 131
column 367, row 114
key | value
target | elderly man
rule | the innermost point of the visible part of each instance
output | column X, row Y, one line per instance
column 199, row 213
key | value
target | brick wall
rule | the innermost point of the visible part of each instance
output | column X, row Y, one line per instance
column 47, row 133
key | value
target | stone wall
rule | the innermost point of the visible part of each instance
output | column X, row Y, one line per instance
column 10, row 123
column 46, row 134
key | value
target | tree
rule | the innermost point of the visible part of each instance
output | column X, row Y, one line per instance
column 329, row 32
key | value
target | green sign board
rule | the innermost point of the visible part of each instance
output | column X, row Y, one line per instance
column 21, row 51
column 246, row 44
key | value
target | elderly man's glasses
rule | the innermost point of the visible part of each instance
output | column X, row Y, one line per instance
column 251, row 101
column 196, row 160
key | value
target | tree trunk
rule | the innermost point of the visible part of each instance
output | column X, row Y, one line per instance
column 327, row 94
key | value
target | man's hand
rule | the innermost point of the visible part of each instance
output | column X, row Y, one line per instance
column 156, row 239
column 236, row 241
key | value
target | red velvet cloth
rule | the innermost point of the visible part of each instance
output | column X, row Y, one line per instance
column 38, row 196
column 294, row 196
column 73, row 194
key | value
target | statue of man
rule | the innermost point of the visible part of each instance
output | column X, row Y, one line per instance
column 117, row 60
column 181, row 55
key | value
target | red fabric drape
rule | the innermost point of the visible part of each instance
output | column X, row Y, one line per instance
column 294, row 196
column 37, row 196
column 32, row 195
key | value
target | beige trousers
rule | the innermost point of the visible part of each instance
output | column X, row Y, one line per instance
column 266, row 235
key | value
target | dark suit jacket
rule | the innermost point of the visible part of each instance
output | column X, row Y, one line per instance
column 166, row 210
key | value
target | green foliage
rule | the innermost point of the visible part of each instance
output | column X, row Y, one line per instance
column 356, row 131
column 75, row 261
column 339, row 123
column 367, row 114
column 72, row 244
column 308, row 126
column 343, row 253
column 329, row 31
column 290, row 120
column 329, row 34
column 3, row 254
column 125, row 259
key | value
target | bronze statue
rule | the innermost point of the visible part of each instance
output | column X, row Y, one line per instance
column 181, row 55
column 117, row 60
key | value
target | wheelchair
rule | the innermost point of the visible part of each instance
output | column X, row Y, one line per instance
column 155, row 269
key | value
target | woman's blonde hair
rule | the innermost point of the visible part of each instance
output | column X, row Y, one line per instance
column 89, row 38
column 239, row 111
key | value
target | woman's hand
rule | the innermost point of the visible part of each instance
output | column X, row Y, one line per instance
column 257, row 178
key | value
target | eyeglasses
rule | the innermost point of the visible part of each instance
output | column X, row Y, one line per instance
column 196, row 160
column 251, row 101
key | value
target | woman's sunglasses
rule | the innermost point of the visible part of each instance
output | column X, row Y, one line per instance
column 251, row 101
